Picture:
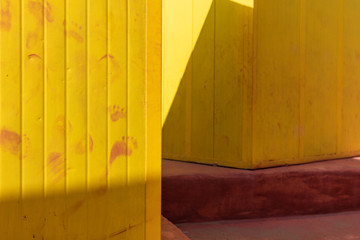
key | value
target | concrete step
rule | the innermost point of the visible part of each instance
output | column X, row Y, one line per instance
column 340, row 226
column 198, row 193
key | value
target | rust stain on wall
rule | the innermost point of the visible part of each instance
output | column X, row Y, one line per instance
column 38, row 9
column 59, row 123
column 122, row 231
column 122, row 148
column 101, row 191
column 26, row 146
column 116, row 113
column 32, row 56
column 80, row 147
column 5, row 20
column 91, row 144
column 55, row 161
column 70, row 126
column 74, row 35
column 72, row 209
column 10, row 141
column 48, row 9
column 106, row 56
column 31, row 40
column 73, row 31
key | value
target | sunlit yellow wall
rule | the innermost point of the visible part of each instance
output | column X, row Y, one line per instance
column 207, row 72
column 80, row 119
column 274, row 84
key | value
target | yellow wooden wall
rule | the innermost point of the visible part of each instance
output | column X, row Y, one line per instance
column 80, row 119
column 280, row 84
column 207, row 71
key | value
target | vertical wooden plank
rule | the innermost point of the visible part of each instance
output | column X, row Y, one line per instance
column 118, row 205
column 340, row 73
column 136, row 106
column 277, row 82
column 177, row 72
column 76, row 119
column 303, row 33
column 54, row 120
column 33, row 117
column 10, row 119
column 350, row 139
column 231, row 76
column 202, row 81
column 247, row 82
column 320, row 135
column 97, row 119
column 153, row 119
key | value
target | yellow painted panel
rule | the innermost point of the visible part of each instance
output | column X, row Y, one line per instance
column 320, row 84
column 202, row 80
column 285, row 88
column 10, row 121
column 177, row 49
column 54, row 121
column 97, row 134
column 202, row 117
column 32, row 116
column 136, row 139
column 117, row 120
column 276, row 97
column 350, row 111
column 153, row 124
column 232, row 76
column 80, row 116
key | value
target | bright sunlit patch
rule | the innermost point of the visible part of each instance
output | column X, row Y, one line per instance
column 247, row 3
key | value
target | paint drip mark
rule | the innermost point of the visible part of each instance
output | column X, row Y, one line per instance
column 116, row 113
column 74, row 32
column 31, row 40
column 59, row 123
column 70, row 128
column 36, row 60
column 26, row 146
column 106, row 56
column 72, row 209
column 91, row 144
column 80, row 147
column 5, row 16
column 122, row 230
column 101, row 191
column 10, row 141
column 37, row 9
column 55, row 161
column 75, row 35
column 48, row 10
column 122, row 148
column 34, row 56
column 112, row 59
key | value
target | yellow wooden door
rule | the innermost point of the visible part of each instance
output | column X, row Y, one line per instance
column 80, row 119
column 261, row 83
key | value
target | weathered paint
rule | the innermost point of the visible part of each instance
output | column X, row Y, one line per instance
column 264, row 86
column 80, row 119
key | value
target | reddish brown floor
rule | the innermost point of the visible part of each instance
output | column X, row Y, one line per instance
column 341, row 226
column 170, row 232
column 198, row 193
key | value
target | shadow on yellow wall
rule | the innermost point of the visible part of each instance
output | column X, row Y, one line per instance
column 205, row 103
column 296, row 101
